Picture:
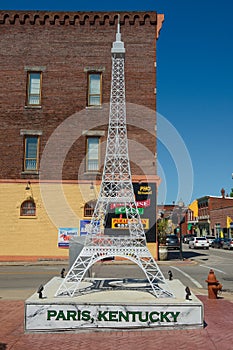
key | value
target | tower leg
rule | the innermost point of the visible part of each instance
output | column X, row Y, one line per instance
column 91, row 254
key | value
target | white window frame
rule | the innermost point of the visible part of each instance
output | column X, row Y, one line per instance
column 94, row 89
column 34, row 83
column 93, row 154
column 27, row 159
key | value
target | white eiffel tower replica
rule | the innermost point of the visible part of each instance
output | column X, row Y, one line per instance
column 116, row 187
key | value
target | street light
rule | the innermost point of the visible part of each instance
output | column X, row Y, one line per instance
column 180, row 217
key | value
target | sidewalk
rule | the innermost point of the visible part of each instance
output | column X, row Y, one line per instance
column 8, row 260
column 217, row 333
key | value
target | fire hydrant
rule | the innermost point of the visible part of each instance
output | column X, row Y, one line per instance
column 213, row 285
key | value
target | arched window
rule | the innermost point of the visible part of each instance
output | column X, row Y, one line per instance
column 89, row 208
column 28, row 208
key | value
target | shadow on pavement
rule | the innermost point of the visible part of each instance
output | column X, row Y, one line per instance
column 175, row 254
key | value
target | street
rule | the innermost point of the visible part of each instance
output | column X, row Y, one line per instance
column 18, row 282
column 195, row 274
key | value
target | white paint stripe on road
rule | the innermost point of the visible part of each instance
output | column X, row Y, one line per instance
column 213, row 268
column 198, row 285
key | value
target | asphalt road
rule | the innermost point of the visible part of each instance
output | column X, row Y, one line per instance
column 195, row 274
column 20, row 281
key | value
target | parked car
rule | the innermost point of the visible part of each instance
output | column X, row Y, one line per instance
column 228, row 243
column 217, row 243
column 172, row 242
column 199, row 242
column 187, row 238
column 210, row 239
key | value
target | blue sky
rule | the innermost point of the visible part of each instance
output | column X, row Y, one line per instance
column 194, row 84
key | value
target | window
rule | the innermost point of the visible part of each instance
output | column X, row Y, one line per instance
column 94, row 89
column 34, row 89
column 92, row 154
column 31, row 148
column 89, row 208
column 28, row 208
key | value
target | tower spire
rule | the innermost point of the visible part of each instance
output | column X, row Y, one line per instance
column 118, row 45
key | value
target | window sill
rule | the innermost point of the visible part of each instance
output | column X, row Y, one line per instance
column 94, row 107
column 30, row 172
column 33, row 107
column 94, row 172
column 27, row 217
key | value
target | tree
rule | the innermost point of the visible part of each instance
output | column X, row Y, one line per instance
column 162, row 229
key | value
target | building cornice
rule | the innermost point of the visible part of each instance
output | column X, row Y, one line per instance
column 78, row 18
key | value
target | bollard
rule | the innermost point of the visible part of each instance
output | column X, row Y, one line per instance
column 170, row 275
column 213, row 285
column 63, row 273
column 39, row 291
column 188, row 293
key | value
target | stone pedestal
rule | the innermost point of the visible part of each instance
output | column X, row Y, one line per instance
column 112, row 304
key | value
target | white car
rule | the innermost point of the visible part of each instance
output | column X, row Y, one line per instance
column 199, row 242
column 210, row 239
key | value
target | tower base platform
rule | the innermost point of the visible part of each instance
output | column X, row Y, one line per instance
column 104, row 304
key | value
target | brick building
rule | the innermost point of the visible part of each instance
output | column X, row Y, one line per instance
column 55, row 78
column 215, row 214
column 211, row 215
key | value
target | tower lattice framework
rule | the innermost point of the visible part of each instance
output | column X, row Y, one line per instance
column 116, row 187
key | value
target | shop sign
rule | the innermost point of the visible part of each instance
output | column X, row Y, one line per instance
column 122, row 223
column 143, row 190
column 139, row 204
column 143, row 204
column 123, row 210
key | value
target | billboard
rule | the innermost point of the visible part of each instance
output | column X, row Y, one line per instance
column 64, row 235
column 85, row 225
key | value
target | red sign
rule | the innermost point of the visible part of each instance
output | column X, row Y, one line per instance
column 139, row 204
column 143, row 204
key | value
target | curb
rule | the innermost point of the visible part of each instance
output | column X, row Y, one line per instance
column 34, row 263
column 44, row 262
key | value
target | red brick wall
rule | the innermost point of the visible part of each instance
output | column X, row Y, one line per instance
column 216, row 203
column 66, row 43
column 220, row 208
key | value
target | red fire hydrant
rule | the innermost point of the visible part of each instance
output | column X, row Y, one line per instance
column 213, row 285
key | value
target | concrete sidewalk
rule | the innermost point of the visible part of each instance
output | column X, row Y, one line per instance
column 217, row 333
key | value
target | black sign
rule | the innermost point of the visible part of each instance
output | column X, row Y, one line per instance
column 145, row 197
